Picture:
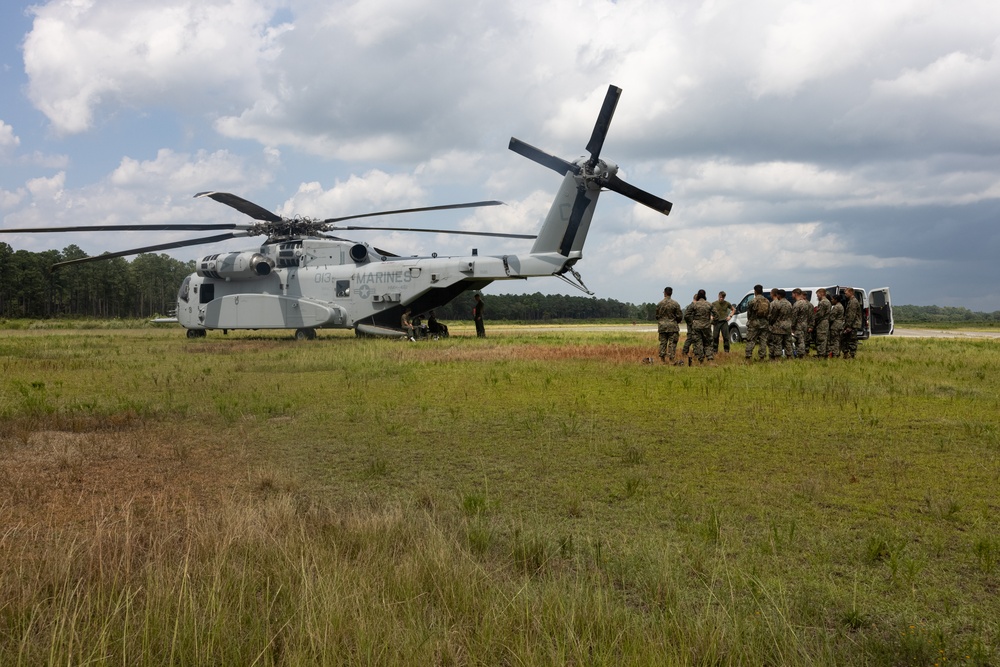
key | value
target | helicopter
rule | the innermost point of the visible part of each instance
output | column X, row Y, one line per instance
column 304, row 278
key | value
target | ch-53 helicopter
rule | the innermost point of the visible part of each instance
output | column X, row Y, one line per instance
column 304, row 279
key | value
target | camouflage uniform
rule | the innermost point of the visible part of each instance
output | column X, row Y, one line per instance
column 779, row 319
column 721, row 310
column 852, row 322
column 701, row 323
column 668, row 318
column 801, row 314
column 689, row 327
column 821, row 325
column 836, row 328
column 757, row 325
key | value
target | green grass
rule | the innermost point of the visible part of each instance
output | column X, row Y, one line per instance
column 530, row 498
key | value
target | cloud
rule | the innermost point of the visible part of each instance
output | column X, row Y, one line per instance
column 374, row 191
column 51, row 189
column 81, row 55
column 8, row 140
column 10, row 199
column 179, row 173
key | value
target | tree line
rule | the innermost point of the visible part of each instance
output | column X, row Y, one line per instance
column 114, row 288
column 540, row 307
column 942, row 314
column 147, row 286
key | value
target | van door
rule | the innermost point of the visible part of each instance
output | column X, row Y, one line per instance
column 738, row 325
column 881, row 312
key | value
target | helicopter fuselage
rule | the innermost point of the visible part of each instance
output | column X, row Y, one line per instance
column 326, row 283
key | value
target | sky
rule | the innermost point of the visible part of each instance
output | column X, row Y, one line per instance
column 801, row 143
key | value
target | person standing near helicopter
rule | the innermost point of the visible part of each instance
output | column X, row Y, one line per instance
column 477, row 316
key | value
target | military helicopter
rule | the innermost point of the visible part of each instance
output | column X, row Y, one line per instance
column 305, row 279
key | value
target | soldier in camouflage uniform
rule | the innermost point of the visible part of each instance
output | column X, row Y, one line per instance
column 836, row 326
column 801, row 316
column 821, row 323
column 779, row 320
column 757, row 311
column 852, row 322
column 722, row 311
column 701, row 323
column 689, row 328
column 668, row 319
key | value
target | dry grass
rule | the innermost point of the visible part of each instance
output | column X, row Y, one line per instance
column 67, row 478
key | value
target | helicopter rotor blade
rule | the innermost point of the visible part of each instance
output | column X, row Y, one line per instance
column 165, row 227
column 242, row 205
column 600, row 132
column 556, row 164
column 437, row 231
column 635, row 194
column 151, row 248
column 444, row 207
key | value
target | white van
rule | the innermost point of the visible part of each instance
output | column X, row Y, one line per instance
column 876, row 310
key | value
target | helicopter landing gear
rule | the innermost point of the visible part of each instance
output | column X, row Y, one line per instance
column 196, row 333
column 305, row 334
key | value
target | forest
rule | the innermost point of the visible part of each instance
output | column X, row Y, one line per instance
column 116, row 288
column 147, row 286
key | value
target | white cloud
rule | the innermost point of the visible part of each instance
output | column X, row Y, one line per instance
column 47, row 188
column 9, row 199
column 8, row 140
column 83, row 54
column 179, row 173
column 374, row 191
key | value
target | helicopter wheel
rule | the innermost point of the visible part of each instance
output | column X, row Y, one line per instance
column 305, row 334
column 195, row 333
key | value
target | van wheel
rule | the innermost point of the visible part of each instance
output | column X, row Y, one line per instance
column 734, row 335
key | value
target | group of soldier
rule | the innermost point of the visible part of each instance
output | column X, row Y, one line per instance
column 775, row 326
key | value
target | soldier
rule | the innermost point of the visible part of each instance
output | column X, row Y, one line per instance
column 701, row 324
column 477, row 316
column 801, row 314
column 668, row 320
column 689, row 337
column 407, row 325
column 821, row 323
column 836, row 326
column 757, row 311
column 852, row 322
column 779, row 319
column 722, row 311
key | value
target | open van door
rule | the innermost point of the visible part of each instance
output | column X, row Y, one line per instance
column 881, row 312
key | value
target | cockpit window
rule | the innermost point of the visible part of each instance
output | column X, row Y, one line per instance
column 185, row 290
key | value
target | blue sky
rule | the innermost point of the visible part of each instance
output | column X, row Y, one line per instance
column 802, row 143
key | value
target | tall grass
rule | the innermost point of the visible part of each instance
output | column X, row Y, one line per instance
column 542, row 499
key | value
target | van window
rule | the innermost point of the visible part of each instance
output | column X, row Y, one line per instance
column 742, row 308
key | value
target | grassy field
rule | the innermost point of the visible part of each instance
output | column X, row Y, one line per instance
column 529, row 498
